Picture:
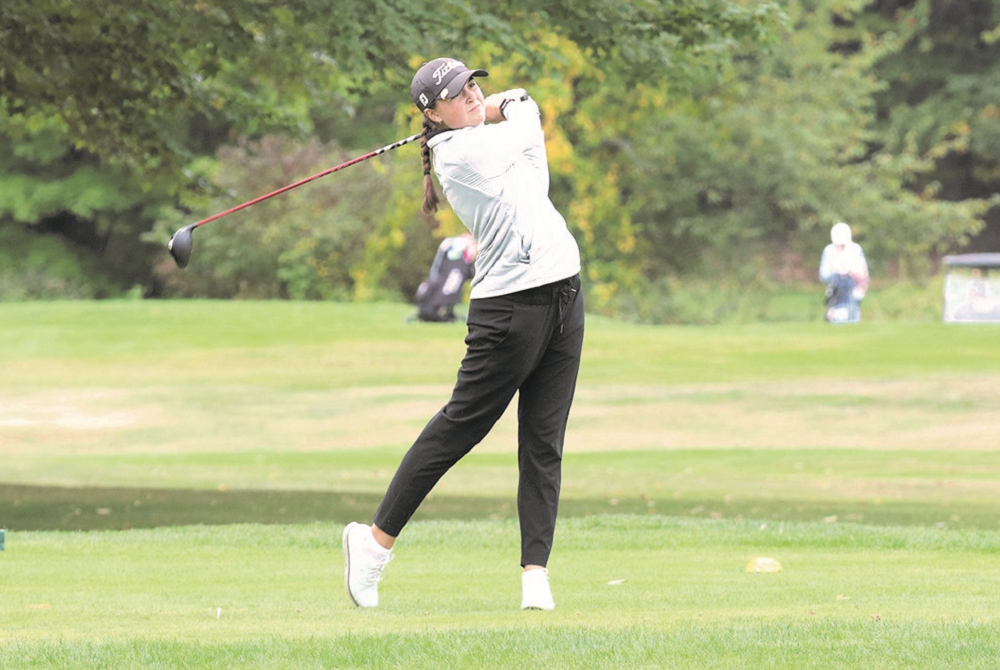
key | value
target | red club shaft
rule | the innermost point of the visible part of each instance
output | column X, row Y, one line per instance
column 372, row 154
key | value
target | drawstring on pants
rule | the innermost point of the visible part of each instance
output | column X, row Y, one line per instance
column 562, row 293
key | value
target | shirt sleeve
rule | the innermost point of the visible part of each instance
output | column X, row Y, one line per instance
column 526, row 124
column 825, row 271
column 478, row 156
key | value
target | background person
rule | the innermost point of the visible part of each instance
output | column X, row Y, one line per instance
column 845, row 272
column 525, row 322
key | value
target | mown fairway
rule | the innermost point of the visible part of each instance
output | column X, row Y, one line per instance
column 207, row 455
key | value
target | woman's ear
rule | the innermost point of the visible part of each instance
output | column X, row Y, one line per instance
column 432, row 115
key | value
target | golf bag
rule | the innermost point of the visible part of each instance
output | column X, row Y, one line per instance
column 453, row 265
column 842, row 305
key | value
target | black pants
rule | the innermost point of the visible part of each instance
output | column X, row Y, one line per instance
column 527, row 343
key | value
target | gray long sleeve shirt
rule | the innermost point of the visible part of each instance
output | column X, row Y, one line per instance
column 496, row 179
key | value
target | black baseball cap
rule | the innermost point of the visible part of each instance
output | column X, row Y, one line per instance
column 440, row 79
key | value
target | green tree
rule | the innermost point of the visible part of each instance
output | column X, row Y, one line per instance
column 940, row 96
column 147, row 88
column 68, row 221
column 742, row 176
column 123, row 79
column 300, row 245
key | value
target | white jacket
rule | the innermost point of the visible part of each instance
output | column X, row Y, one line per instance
column 496, row 179
column 846, row 260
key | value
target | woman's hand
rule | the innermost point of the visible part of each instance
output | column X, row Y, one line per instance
column 496, row 102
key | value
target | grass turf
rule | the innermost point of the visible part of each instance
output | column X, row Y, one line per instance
column 863, row 458
column 634, row 592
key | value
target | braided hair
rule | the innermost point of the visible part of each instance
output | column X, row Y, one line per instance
column 431, row 199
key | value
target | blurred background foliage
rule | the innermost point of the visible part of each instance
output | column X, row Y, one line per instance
column 700, row 149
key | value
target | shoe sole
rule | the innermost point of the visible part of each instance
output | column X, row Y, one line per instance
column 347, row 562
column 538, row 606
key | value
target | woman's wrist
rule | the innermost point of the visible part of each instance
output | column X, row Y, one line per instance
column 494, row 112
column 496, row 104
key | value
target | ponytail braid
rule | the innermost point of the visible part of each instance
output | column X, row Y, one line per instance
column 431, row 199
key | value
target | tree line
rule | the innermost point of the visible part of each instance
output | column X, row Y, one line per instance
column 687, row 139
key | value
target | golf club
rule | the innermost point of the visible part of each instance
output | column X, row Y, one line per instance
column 181, row 242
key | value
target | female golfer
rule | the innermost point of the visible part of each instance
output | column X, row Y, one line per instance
column 525, row 323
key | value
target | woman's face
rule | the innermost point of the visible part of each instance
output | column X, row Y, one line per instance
column 468, row 108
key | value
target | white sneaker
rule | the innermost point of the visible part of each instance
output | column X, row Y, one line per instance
column 364, row 561
column 535, row 591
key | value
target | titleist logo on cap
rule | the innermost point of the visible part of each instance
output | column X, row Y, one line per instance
column 445, row 68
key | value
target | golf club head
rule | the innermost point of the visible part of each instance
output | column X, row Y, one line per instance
column 180, row 245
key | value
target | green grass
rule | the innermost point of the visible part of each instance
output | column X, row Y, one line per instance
column 635, row 592
column 175, row 476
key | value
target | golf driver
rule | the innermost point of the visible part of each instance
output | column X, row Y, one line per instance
column 181, row 242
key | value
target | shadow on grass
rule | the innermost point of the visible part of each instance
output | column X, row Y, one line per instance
column 24, row 508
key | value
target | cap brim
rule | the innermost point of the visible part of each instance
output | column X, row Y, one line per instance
column 464, row 78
